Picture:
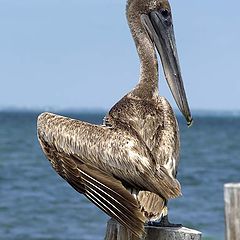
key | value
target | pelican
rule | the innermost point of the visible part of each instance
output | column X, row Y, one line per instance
column 127, row 166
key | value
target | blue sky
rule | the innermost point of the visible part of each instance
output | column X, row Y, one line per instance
column 79, row 54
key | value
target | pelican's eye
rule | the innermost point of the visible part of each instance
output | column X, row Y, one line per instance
column 165, row 13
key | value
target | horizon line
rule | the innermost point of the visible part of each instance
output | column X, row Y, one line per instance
column 232, row 112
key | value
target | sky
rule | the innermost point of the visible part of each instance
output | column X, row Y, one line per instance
column 74, row 54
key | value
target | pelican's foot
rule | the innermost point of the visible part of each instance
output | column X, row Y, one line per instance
column 164, row 223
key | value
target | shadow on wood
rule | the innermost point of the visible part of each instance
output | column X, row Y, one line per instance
column 117, row 232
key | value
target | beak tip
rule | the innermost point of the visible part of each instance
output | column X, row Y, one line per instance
column 190, row 121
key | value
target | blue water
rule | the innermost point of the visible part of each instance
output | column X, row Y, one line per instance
column 35, row 203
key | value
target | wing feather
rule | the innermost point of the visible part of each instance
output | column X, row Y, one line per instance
column 102, row 189
column 118, row 151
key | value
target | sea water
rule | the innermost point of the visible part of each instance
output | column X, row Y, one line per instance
column 35, row 203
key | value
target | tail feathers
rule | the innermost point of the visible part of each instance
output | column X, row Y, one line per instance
column 151, row 204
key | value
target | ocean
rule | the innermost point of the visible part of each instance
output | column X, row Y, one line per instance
column 35, row 203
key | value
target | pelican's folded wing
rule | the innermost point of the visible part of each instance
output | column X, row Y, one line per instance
column 113, row 150
column 102, row 189
column 118, row 151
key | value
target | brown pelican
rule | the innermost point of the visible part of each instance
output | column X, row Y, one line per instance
column 128, row 165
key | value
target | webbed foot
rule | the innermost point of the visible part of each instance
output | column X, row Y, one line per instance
column 164, row 223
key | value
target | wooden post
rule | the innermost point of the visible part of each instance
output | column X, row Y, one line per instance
column 232, row 210
column 116, row 232
column 155, row 233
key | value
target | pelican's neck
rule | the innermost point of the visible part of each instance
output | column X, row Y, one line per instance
column 148, row 83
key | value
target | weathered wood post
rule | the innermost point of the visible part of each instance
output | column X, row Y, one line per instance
column 232, row 210
column 116, row 232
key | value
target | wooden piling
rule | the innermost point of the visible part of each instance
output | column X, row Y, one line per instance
column 116, row 232
column 232, row 211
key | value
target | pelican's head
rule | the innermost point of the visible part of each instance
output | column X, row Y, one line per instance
column 156, row 18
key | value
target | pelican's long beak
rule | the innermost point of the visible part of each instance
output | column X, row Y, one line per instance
column 160, row 30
